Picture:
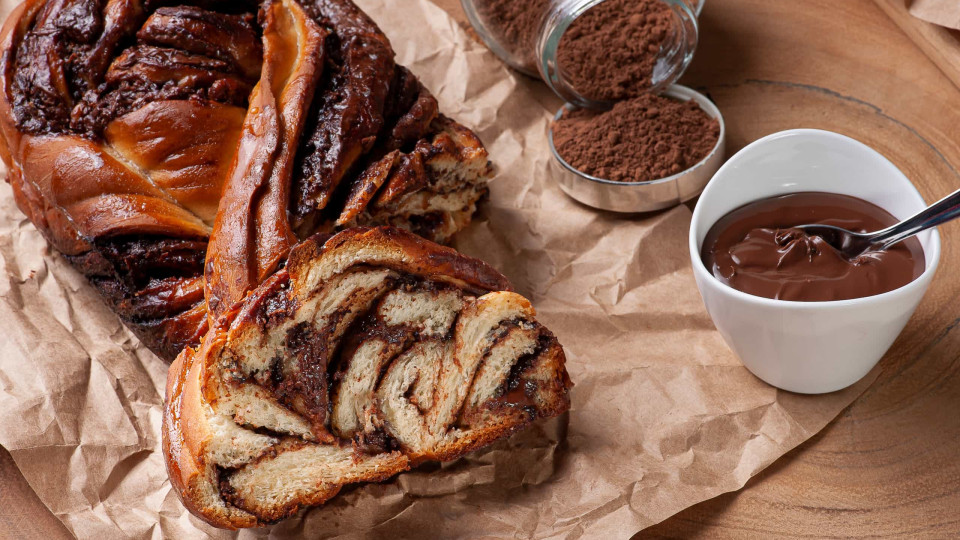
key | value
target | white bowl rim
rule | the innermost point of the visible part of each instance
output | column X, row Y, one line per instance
column 932, row 259
column 708, row 107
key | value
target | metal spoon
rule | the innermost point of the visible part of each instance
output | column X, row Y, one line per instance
column 852, row 244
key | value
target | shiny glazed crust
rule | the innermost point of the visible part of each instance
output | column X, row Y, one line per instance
column 211, row 166
column 458, row 362
column 124, row 138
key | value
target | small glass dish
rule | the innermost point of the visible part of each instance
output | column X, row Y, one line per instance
column 648, row 195
column 673, row 58
column 527, row 39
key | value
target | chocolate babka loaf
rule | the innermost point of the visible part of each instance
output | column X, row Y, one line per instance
column 371, row 352
column 128, row 124
column 245, row 183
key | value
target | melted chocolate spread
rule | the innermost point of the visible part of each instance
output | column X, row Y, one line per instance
column 757, row 250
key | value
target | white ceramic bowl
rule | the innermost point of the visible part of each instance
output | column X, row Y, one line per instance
column 809, row 347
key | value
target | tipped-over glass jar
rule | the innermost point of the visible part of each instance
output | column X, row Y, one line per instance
column 591, row 52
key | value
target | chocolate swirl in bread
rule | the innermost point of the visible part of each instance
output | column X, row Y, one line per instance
column 184, row 156
column 373, row 351
column 124, row 121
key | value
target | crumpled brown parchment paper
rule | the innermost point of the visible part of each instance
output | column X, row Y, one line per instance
column 942, row 12
column 663, row 415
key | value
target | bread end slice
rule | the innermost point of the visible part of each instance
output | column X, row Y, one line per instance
column 372, row 352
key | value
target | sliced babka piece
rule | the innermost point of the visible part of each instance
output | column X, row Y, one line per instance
column 370, row 352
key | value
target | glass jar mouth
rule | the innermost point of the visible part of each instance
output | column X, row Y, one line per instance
column 675, row 54
column 512, row 53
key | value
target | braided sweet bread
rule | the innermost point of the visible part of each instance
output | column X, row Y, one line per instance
column 127, row 124
column 368, row 354
column 194, row 159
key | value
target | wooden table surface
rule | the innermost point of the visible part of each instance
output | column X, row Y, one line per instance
column 890, row 464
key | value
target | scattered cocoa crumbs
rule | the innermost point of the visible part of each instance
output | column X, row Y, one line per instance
column 644, row 138
column 609, row 52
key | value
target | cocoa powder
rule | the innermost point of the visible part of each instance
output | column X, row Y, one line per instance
column 645, row 138
column 515, row 25
column 609, row 52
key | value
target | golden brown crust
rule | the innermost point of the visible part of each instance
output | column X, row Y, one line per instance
column 537, row 386
column 424, row 258
column 138, row 123
column 253, row 235
column 181, row 467
column 14, row 28
column 204, row 147
column 182, row 441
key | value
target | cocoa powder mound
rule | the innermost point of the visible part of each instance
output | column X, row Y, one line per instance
column 645, row 138
column 609, row 52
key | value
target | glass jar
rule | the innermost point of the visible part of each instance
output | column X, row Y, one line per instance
column 528, row 36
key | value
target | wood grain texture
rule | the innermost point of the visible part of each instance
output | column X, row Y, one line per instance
column 890, row 465
column 940, row 44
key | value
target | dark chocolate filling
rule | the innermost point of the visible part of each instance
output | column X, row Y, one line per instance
column 77, row 69
column 757, row 249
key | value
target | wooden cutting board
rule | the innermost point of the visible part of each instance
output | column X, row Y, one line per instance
column 890, row 464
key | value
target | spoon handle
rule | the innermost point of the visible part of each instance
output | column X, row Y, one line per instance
column 944, row 210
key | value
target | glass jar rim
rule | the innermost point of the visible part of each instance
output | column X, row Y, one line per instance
column 561, row 16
